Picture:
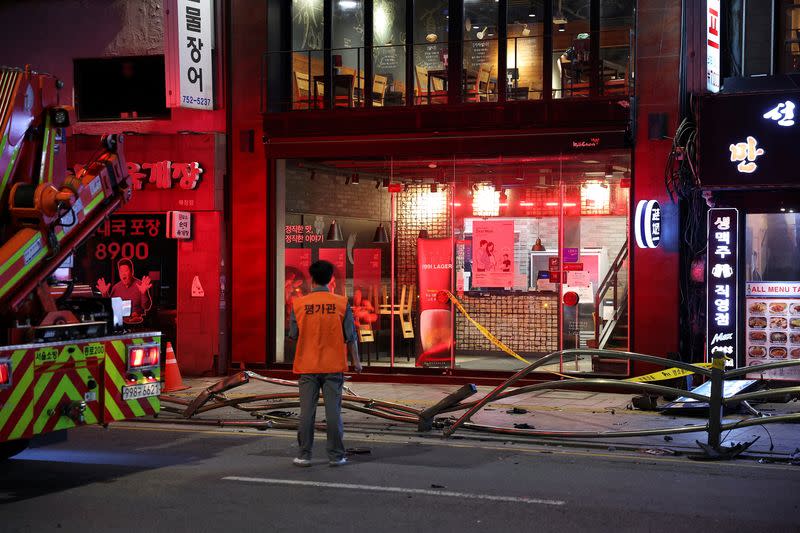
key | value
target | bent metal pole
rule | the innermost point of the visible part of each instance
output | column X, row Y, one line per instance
column 496, row 392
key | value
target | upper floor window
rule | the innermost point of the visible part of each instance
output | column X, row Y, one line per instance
column 380, row 53
column 761, row 38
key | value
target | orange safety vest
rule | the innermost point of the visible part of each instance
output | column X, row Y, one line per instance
column 321, row 348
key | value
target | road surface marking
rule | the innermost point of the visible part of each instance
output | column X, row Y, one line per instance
column 401, row 490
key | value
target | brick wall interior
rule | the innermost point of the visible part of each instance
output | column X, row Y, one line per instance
column 527, row 323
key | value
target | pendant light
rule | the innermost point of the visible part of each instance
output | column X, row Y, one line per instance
column 380, row 232
column 334, row 232
column 537, row 246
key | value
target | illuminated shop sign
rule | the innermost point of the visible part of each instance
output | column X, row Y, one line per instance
column 647, row 228
column 713, row 25
column 721, row 283
column 189, row 41
column 746, row 154
column 782, row 113
column 162, row 174
column 748, row 140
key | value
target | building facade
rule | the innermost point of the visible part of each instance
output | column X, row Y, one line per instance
column 496, row 151
column 745, row 120
column 505, row 152
column 114, row 76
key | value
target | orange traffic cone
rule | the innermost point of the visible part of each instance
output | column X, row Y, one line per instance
column 172, row 372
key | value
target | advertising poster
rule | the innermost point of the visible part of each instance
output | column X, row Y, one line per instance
column 773, row 327
column 297, row 281
column 493, row 253
column 435, row 263
column 140, row 238
column 366, row 284
column 338, row 258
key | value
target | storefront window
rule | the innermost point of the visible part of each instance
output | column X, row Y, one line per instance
column 772, row 291
column 616, row 46
column 480, row 51
column 430, row 51
column 525, row 50
column 535, row 252
column 389, row 52
column 790, row 26
column 347, row 53
column 308, row 61
column 571, row 48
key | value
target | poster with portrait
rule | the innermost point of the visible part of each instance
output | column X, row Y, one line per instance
column 338, row 258
column 493, row 253
column 297, row 281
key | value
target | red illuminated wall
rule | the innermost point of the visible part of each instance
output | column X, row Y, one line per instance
column 49, row 36
column 198, row 321
column 252, row 263
column 654, row 303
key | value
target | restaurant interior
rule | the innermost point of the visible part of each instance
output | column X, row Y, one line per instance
column 397, row 52
column 535, row 249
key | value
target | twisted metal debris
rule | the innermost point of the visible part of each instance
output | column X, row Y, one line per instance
column 266, row 408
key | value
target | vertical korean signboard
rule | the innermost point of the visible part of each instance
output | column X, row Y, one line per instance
column 721, row 284
column 713, row 25
column 195, row 19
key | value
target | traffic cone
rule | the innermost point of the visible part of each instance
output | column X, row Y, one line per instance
column 172, row 373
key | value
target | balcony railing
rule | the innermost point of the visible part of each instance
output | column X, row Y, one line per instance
column 420, row 74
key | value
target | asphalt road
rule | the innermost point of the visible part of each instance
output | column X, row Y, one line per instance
column 143, row 478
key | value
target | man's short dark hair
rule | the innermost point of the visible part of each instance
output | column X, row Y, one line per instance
column 125, row 262
column 483, row 241
column 321, row 272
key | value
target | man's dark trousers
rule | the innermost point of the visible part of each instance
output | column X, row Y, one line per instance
column 331, row 385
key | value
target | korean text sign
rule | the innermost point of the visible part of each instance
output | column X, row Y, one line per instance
column 747, row 140
column 195, row 42
column 722, row 284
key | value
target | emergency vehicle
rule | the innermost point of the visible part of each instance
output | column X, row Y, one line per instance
column 68, row 357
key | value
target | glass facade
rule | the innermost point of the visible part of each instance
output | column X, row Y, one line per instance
column 398, row 52
column 533, row 248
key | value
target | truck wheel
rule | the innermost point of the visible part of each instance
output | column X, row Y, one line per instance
column 11, row 448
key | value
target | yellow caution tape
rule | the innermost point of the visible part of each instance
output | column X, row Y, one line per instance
column 494, row 340
column 668, row 373
column 661, row 375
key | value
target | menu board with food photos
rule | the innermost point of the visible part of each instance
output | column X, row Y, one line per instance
column 773, row 327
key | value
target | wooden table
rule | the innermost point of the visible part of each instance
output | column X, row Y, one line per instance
column 340, row 81
column 443, row 75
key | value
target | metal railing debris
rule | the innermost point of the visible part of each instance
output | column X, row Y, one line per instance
column 265, row 408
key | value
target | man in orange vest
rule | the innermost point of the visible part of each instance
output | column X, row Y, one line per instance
column 323, row 325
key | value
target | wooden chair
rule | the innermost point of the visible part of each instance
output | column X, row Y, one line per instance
column 303, row 97
column 483, row 81
column 437, row 94
column 379, row 84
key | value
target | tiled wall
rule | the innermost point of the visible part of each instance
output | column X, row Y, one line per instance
column 327, row 194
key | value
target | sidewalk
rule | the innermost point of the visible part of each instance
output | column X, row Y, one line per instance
column 546, row 410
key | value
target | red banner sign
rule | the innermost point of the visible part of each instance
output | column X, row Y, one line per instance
column 435, row 264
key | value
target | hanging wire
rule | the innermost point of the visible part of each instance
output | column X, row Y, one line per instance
column 684, row 187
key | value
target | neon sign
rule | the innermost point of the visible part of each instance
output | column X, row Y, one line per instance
column 647, row 229
column 746, row 154
column 721, row 283
column 783, row 113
